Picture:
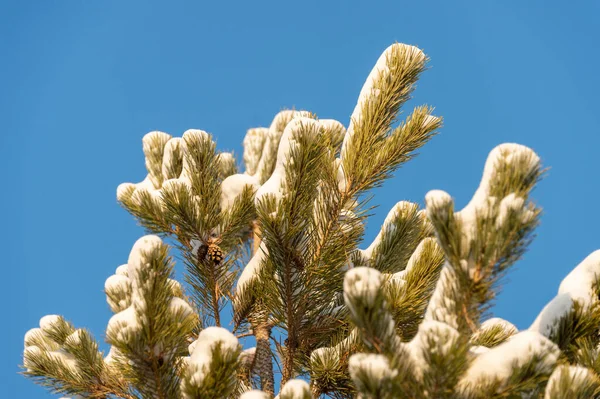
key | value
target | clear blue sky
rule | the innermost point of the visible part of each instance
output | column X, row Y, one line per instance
column 83, row 81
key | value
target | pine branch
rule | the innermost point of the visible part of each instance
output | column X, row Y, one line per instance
column 388, row 87
column 211, row 370
column 409, row 291
column 401, row 318
column 154, row 147
column 150, row 335
column 285, row 234
column 368, row 310
column 329, row 367
column 493, row 332
column 572, row 382
column 67, row 361
column 488, row 236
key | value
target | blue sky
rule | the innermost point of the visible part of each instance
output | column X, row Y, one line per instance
column 83, row 81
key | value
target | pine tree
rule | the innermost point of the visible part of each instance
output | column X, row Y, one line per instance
column 275, row 249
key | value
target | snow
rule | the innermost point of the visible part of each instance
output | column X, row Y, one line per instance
column 368, row 91
column 123, row 189
column 416, row 255
column 254, row 142
column 144, row 187
column 172, row 147
column 48, row 322
column 192, row 346
column 148, row 142
column 326, row 352
column 414, row 258
column 274, row 185
column 254, row 394
column 441, row 307
column 141, row 192
column 347, row 220
column 279, row 121
column 112, row 354
column 124, row 325
column 233, row 185
column 33, row 335
column 510, row 203
column 577, row 286
column 430, row 120
column 225, row 158
column 247, row 355
column 176, row 287
column 341, row 176
column 65, row 359
column 209, row 338
column 320, row 353
column 252, row 269
column 430, row 330
column 57, row 357
column 137, row 256
column 580, row 281
column 201, row 351
column 274, row 136
column 497, row 321
column 375, row 366
column 295, row 389
column 443, row 337
column 578, row 376
column 118, row 285
column 117, row 282
column 482, row 204
column 514, row 153
column 333, row 128
column 194, row 135
column 332, row 125
column 363, row 282
column 190, row 137
column 481, row 201
column 136, row 262
column 511, row 153
column 178, row 305
column 149, row 139
column 558, row 307
column 174, row 185
column 478, row 350
column 398, row 279
column 75, row 337
column 28, row 354
column 499, row 362
column 468, row 216
column 401, row 208
column 152, row 184
column 437, row 201
column 122, row 270
column 37, row 338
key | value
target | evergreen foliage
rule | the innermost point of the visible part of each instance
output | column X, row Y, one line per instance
column 278, row 244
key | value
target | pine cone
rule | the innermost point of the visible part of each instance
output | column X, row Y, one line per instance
column 202, row 251
column 215, row 253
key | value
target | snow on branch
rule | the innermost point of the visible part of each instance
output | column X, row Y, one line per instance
column 486, row 237
column 277, row 244
column 210, row 369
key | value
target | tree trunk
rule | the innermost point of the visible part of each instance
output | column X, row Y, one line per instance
column 263, row 361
